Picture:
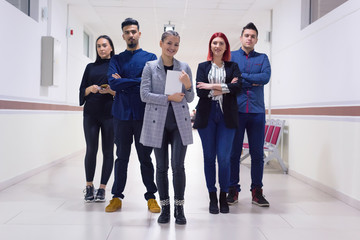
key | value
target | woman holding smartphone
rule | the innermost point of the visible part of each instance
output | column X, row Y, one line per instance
column 97, row 96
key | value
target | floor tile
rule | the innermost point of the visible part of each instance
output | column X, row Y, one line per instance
column 50, row 205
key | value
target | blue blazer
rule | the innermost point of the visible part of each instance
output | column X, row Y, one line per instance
column 230, row 107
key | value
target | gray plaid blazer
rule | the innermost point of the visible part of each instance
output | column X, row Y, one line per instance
column 152, row 90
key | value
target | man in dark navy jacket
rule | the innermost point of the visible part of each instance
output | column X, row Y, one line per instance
column 124, row 74
column 255, row 71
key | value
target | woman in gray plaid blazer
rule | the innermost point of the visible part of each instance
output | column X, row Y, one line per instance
column 167, row 121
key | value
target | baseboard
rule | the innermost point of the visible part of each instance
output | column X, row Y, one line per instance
column 332, row 192
column 30, row 173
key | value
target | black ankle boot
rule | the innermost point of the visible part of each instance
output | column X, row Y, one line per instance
column 213, row 207
column 179, row 212
column 165, row 211
column 224, row 207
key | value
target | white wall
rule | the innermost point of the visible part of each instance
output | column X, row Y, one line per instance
column 317, row 66
column 331, row 158
column 32, row 139
column 77, row 61
column 21, row 38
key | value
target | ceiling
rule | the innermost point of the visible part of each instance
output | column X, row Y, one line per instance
column 195, row 20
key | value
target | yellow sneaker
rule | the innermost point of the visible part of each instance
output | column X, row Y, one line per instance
column 115, row 204
column 153, row 206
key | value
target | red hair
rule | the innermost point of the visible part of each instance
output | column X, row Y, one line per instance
column 227, row 53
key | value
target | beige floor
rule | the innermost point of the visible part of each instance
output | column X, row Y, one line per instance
column 50, row 205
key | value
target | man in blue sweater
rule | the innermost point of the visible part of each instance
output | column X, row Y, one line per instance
column 255, row 71
column 124, row 75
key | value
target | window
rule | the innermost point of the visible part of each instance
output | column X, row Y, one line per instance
column 30, row 8
column 312, row 10
column 86, row 44
column 23, row 5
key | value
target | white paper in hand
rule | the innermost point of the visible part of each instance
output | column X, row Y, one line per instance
column 173, row 84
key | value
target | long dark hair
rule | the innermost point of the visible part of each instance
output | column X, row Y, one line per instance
column 98, row 58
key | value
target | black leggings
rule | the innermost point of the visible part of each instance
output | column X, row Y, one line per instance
column 178, row 150
column 92, row 127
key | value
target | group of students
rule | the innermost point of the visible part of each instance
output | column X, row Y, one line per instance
column 124, row 97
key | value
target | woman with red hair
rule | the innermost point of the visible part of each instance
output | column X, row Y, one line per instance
column 218, row 81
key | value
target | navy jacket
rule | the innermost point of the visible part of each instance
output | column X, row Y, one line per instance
column 230, row 107
column 129, row 65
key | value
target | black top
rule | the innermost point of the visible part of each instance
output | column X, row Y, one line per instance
column 230, row 107
column 168, row 68
column 96, row 104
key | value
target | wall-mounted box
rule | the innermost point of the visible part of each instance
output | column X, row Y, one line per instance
column 50, row 61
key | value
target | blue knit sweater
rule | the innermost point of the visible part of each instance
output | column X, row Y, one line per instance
column 96, row 104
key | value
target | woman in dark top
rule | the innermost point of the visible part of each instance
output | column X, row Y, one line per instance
column 98, row 98
column 167, row 122
column 218, row 81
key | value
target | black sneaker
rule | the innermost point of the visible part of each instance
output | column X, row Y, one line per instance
column 100, row 195
column 258, row 198
column 232, row 196
column 89, row 194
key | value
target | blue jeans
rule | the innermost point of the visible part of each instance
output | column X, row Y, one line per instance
column 254, row 124
column 216, row 141
column 125, row 131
